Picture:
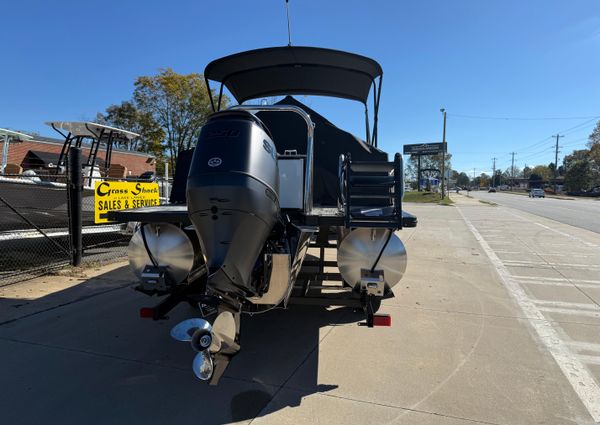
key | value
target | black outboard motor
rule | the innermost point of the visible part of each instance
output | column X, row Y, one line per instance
column 233, row 197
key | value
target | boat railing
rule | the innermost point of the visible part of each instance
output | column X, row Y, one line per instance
column 310, row 127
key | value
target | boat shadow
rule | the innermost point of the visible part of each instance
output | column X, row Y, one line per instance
column 128, row 365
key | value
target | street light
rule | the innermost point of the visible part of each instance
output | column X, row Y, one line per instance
column 443, row 111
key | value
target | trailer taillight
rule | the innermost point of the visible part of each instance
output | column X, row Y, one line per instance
column 382, row 320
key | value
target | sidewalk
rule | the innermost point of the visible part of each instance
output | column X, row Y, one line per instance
column 458, row 352
column 64, row 287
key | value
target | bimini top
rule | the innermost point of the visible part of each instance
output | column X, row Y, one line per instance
column 92, row 129
column 278, row 71
column 4, row 132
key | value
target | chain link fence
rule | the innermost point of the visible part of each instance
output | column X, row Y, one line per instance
column 34, row 227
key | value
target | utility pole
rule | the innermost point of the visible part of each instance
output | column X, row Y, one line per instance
column 558, row 136
column 419, row 173
column 512, row 171
column 494, row 173
column 443, row 111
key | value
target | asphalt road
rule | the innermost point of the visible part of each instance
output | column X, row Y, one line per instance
column 580, row 212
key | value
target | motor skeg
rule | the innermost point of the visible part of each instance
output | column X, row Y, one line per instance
column 233, row 197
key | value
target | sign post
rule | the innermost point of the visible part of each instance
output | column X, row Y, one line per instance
column 443, row 111
column 421, row 149
column 75, row 190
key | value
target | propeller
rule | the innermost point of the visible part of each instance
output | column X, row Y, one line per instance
column 185, row 330
column 203, row 365
column 207, row 339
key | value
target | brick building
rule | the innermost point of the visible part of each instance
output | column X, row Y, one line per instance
column 41, row 153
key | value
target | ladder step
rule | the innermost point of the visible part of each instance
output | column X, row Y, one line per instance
column 370, row 196
column 371, row 180
column 372, row 167
column 385, row 225
column 372, row 217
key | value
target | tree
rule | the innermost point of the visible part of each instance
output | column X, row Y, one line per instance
column 526, row 172
column 179, row 104
column 542, row 171
column 582, row 169
column 594, row 138
column 484, row 180
column 462, row 180
column 128, row 117
column 578, row 176
column 497, row 178
column 575, row 156
column 433, row 163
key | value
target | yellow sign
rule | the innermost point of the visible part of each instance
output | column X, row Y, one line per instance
column 112, row 196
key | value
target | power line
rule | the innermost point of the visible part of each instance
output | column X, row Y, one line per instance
column 480, row 117
column 569, row 130
column 576, row 142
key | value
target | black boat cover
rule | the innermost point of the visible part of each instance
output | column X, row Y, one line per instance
column 289, row 133
column 286, row 70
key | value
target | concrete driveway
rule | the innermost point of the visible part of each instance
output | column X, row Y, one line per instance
column 461, row 351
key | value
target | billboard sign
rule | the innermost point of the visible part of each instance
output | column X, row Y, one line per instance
column 424, row 149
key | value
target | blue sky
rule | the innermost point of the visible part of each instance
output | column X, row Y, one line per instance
column 67, row 60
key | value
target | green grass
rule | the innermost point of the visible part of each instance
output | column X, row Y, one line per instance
column 426, row 198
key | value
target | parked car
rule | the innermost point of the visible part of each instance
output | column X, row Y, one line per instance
column 537, row 193
column 492, row 190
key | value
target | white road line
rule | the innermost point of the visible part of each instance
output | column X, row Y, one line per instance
column 547, row 263
column 573, row 369
column 562, row 254
column 568, row 305
column 555, row 279
column 584, row 346
column 586, row 243
column 565, row 283
column 571, row 312
column 595, row 360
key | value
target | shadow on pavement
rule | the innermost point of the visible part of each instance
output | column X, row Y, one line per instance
column 93, row 360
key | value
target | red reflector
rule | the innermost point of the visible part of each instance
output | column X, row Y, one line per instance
column 146, row 313
column 382, row 320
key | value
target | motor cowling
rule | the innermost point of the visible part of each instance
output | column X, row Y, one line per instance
column 233, row 197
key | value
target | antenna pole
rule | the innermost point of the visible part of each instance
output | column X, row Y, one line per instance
column 287, row 11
